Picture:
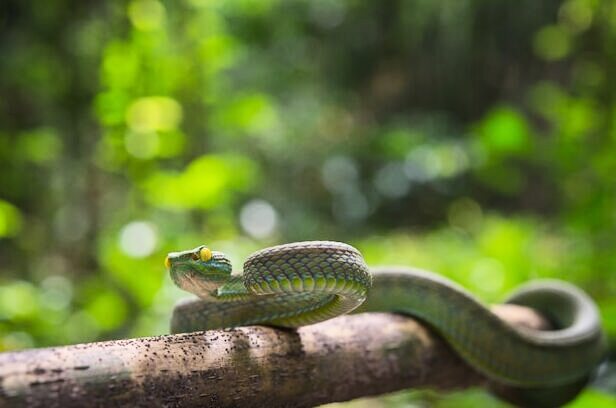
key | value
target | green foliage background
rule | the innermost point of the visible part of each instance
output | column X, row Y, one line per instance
column 475, row 138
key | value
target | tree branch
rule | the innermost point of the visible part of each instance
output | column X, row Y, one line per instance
column 337, row 360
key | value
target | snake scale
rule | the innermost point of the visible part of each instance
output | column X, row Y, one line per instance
column 307, row 282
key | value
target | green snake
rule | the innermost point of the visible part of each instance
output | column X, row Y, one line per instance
column 302, row 283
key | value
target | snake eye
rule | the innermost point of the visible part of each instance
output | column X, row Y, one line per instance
column 167, row 263
column 205, row 254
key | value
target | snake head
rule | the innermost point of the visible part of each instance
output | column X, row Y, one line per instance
column 199, row 270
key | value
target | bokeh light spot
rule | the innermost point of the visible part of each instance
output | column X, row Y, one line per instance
column 339, row 173
column 350, row 206
column 154, row 113
column 576, row 15
column 146, row 15
column 488, row 275
column 56, row 293
column 503, row 131
column 258, row 218
column 390, row 181
column 40, row 145
column 18, row 300
column 71, row 223
column 552, row 43
column 429, row 162
column 142, row 145
column 138, row 239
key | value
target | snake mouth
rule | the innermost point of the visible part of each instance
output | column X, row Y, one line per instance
column 192, row 282
column 172, row 263
column 173, row 260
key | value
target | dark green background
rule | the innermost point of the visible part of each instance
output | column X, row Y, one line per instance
column 475, row 138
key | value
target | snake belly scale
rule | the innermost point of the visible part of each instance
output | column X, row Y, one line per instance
column 307, row 282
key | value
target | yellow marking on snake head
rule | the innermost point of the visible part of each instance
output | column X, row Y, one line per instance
column 167, row 263
column 205, row 254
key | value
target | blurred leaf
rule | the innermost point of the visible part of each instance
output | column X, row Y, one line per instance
column 207, row 182
column 10, row 219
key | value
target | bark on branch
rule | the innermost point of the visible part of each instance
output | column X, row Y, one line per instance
column 338, row 360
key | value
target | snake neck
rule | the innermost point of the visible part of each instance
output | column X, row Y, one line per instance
column 203, row 288
column 232, row 288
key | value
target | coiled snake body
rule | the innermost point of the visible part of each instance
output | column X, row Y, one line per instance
column 306, row 282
